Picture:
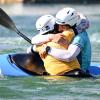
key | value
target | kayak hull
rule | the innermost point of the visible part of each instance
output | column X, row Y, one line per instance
column 94, row 69
column 7, row 68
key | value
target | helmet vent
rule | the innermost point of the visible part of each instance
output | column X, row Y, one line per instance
column 63, row 22
column 47, row 27
column 67, row 12
column 72, row 14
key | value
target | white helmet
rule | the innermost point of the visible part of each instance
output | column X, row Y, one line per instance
column 45, row 24
column 67, row 16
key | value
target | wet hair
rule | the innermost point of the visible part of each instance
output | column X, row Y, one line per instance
column 55, row 30
column 68, row 25
column 74, row 29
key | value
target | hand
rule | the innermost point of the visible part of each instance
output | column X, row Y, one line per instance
column 29, row 50
column 55, row 37
column 60, row 39
column 43, row 52
column 63, row 42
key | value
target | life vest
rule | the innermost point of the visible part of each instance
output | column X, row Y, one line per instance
column 54, row 66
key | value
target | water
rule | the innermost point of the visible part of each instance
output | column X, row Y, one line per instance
column 46, row 88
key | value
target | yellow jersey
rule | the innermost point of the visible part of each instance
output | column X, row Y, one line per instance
column 54, row 66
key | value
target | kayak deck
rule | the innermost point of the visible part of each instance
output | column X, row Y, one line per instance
column 8, row 68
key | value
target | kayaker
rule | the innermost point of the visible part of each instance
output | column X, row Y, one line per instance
column 46, row 25
column 80, row 46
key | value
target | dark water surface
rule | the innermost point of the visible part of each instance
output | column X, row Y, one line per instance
column 47, row 88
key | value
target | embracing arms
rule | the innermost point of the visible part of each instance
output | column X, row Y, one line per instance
column 63, row 55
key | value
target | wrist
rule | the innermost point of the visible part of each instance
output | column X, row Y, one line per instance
column 48, row 49
column 32, row 49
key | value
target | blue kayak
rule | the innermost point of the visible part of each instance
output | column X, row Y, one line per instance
column 17, row 65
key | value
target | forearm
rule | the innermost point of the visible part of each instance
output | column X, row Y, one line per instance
column 31, row 49
column 40, row 39
column 65, row 55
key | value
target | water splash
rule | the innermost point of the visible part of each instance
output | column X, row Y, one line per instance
column 95, row 38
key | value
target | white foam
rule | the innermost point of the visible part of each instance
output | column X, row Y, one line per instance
column 95, row 37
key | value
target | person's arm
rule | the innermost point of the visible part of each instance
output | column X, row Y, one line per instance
column 65, row 55
column 40, row 39
column 73, row 50
column 31, row 49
